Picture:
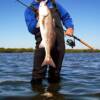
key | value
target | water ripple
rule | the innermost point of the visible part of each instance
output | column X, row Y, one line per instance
column 80, row 77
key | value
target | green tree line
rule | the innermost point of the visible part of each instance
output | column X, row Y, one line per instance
column 21, row 50
column 11, row 50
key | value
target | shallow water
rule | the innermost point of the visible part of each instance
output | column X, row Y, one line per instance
column 80, row 78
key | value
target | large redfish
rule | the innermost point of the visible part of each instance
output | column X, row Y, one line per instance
column 47, row 24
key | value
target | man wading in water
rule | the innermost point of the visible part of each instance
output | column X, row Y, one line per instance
column 59, row 14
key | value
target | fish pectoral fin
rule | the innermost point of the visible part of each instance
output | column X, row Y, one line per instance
column 41, row 45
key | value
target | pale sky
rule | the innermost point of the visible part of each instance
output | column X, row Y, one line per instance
column 14, row 33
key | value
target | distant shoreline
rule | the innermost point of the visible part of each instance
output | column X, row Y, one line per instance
column 21, row 50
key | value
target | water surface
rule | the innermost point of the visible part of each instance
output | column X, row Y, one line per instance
column 80, row 78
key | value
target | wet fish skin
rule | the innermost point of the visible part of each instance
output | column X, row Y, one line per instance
column 48, row 34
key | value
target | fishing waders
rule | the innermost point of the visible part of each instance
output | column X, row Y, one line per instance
column 57, row 54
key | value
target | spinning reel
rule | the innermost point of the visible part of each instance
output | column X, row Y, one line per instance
column 71, row 42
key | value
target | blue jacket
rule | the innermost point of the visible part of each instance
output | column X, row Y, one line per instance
column 31, row 20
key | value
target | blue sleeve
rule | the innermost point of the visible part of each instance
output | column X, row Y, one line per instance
column 65, row 17
column 31, row 21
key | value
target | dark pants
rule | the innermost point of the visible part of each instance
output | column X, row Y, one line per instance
column 57, row 53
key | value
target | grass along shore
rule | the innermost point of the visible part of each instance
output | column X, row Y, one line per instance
column 21, row 50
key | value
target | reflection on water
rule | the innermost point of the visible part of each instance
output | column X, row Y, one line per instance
column 50, row 91
column 80, row 78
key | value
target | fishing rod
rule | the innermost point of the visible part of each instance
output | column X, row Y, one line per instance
column 71, row 43
column 83, row 42
column 25, row 5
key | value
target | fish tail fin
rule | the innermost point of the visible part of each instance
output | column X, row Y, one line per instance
column 48, row 61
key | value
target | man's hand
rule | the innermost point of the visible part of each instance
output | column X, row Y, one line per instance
column 69, row 32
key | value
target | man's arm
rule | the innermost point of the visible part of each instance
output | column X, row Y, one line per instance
column 66, row 19
column 31, row 21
